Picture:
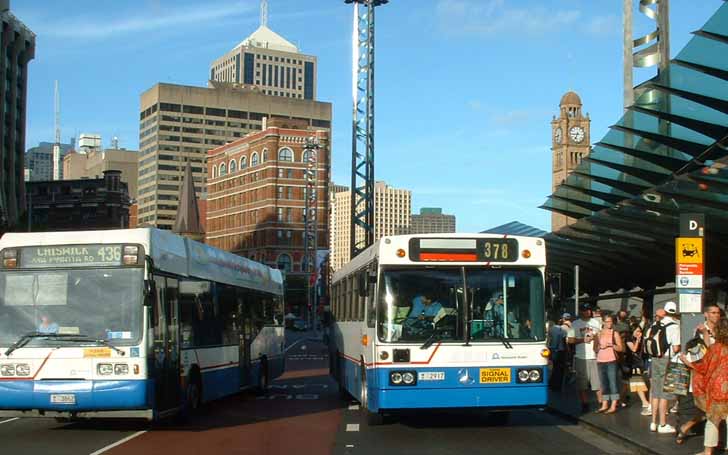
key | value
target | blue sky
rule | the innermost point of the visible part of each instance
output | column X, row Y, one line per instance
column 465, row 88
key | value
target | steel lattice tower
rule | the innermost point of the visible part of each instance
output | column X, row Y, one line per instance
column 310, row 219
column 362, row 141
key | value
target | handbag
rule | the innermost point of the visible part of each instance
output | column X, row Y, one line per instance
column 677, row 379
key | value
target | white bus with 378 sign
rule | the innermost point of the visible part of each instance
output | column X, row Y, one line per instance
column 442, row 321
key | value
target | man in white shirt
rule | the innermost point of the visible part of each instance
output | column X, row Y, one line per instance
column 582, row 334
column 658, row 368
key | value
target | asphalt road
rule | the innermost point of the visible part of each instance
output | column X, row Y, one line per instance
column 302, row 414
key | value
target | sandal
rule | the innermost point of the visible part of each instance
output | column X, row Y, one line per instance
column 681, row 437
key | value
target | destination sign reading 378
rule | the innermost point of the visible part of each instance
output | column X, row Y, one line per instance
column 70, row 256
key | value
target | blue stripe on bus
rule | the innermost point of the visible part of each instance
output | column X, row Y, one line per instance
column 447, row 393
column 219, row 383
column 89, row 395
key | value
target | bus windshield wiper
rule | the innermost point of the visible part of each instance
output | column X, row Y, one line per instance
column 25, row 339
column 432, row 338
column 505, row 342
column 95, row 340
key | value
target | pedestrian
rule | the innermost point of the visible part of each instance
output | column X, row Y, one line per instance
column 607, row 345
column 690, row 414
column 557, row 346
column 621, row 326
column 635, row 360
column 710, row 385
column 662, row 343
column 581, row 336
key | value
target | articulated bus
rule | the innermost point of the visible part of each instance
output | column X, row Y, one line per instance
column 441, row 321
column 131, row 323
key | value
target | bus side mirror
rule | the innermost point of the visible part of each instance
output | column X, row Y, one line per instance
column 150, row 292
column 372, row 277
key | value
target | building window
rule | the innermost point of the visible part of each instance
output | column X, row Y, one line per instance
column 233, row 166
column 264, row 156
column 214, row 171
column 223, row 171
column 304, row 157
column 285, row 154
column 254, row 159
column 279, row 211
column 284, row 262
column 243, row 162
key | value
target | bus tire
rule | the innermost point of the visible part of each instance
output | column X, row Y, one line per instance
column 339, row 378
column 194, row 392
column 373, row 418
column 263, row 376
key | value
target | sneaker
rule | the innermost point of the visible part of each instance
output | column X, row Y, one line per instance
column 646, row 411
column 673, row 410
column 653, row 426
column 666, row 429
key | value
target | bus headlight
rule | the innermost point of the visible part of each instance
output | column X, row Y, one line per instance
column 121, row 369
column 408, row 378
column 523, row 375
column 22, row 369
column 104, row 369
column 529, row 375
column 7, row 369
column 396, row 377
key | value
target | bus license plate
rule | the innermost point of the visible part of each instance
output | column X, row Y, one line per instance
column 63, row 398
column 431, row 376
column 495, row 375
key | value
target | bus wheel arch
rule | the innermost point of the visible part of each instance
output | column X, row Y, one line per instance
column 194, row 389
column 263, row 374
column 373, row 418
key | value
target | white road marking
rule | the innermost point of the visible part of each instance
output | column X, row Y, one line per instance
column 299, row 386
column 118, row 443
column 350, row 446
column 9, row 420
column 307, row 396
column 349, row 427
column 353, row 407
column 303, row 348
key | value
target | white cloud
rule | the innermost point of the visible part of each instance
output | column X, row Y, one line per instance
column 608, row 25
column 496, row 17
column 91, row 27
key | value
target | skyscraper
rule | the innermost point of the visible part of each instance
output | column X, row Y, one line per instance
column 267, row 62
column 431, row 220
column 392, row 213
column 18, row 48
column 39, row 161
column 181, row 123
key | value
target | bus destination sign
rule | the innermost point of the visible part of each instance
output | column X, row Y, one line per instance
column 70, row 256
column 496, row 249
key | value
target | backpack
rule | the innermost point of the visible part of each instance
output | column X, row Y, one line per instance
column 656, row 340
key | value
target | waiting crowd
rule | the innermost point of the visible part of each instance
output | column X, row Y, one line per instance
column 615, row 356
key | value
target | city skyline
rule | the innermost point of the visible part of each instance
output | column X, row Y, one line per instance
column 440, row 108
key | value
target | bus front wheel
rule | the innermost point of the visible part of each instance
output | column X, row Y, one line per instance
column 373, row 418
column 263, row 376
column 194, row 392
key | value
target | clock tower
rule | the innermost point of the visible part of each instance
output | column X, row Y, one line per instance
column 570, row 144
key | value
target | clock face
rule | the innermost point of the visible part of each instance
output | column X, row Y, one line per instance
column 576, row 133
column 558, row 135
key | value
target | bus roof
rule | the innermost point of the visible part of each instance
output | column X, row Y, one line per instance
column 384, row 250
column 170, row 253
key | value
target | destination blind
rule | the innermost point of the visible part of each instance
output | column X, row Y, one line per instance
column 70, row 256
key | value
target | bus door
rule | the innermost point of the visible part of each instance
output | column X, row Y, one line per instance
column 166, row 344
column 246, row 339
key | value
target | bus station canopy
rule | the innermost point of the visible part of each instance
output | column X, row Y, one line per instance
column 666, row 156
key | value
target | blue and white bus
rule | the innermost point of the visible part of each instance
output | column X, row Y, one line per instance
column 135, row 323
column 442, row 321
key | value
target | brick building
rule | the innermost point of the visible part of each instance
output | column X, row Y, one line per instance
column 255, row 197
column 71, row 205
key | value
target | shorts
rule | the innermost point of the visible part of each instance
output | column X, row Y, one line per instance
column 658, row 369
column 587, row 374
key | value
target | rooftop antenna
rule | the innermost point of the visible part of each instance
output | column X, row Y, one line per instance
column 57, row 143
column 263, row 13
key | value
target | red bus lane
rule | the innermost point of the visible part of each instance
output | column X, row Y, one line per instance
column 300, row 413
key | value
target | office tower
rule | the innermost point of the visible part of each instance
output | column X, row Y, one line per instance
column 431, row 220
column 39, row 161
column 93, row 164
column 392, row 213
column 18, row 48
column 181, row 123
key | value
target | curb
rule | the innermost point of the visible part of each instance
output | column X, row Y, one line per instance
column 641, row 449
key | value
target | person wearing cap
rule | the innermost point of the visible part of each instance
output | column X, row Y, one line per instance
column 667, row 317
column 557, row 346
column 581, row 335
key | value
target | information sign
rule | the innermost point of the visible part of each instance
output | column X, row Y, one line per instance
column 70, row 256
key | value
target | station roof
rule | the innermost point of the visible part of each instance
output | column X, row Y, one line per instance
column 667, row 155
column 516, row 228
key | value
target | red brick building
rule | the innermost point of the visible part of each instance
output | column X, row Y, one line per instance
column 255, row 197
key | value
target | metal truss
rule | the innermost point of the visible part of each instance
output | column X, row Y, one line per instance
column 310, row 219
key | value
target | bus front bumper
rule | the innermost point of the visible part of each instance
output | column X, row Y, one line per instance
column 466, row 397
column 146, row 414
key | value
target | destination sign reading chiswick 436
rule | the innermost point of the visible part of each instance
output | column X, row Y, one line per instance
column 71, row 256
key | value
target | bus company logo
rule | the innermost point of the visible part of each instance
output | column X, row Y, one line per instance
column 684, row 281
column 496, row 356
column 464, row 377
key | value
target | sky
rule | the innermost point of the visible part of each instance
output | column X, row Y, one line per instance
column 465, row 89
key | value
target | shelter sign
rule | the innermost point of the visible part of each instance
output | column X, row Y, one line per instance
column 689, row 273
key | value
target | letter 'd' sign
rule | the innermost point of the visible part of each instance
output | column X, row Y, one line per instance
column 692, row 225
